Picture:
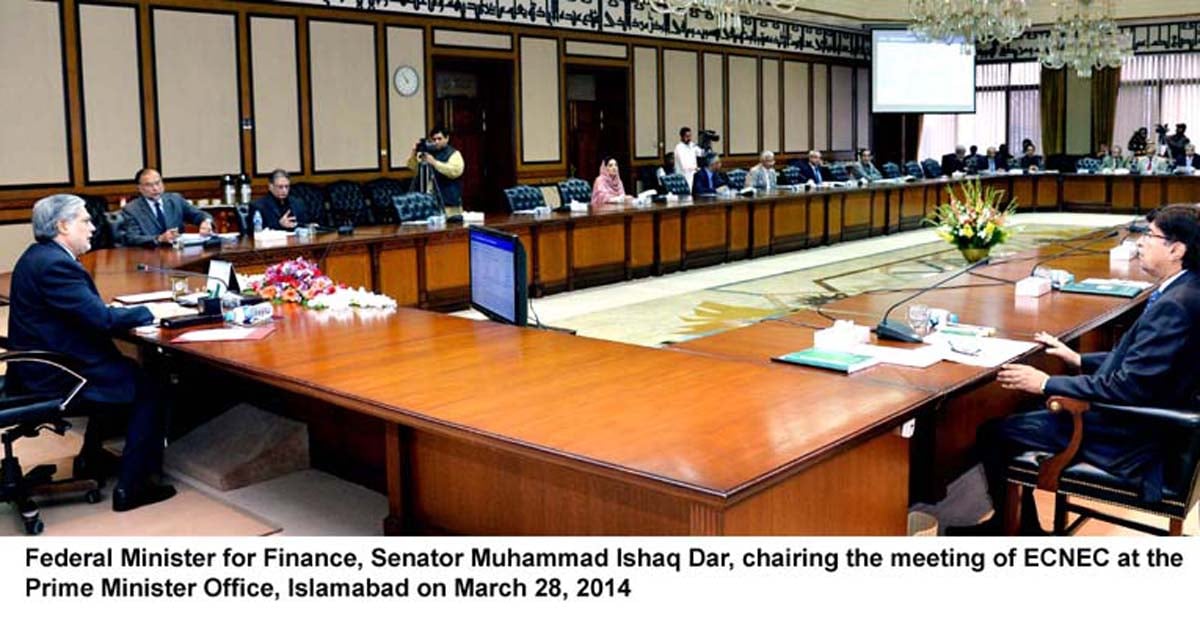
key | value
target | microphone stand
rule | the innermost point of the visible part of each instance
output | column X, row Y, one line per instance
column 899, row 331
column 206, row 308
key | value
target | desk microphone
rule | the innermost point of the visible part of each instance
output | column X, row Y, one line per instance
column 1077, row 248
column 146, row 268
column 899, row 331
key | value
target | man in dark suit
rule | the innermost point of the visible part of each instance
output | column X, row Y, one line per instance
column 156, row 217
column 810, row 170
column 991, row 163
column 278, row 210
column 1154, row 364
column 955, row 161
column 1189, row 160
column 54, row 306
column 709, row 177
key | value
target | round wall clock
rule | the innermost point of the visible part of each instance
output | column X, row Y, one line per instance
column 406, row 81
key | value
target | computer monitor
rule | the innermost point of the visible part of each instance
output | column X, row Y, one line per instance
column 498, row 285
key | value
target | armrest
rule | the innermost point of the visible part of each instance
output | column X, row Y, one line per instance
column 1051, row 469
column 1185, row 419
column 53, row 359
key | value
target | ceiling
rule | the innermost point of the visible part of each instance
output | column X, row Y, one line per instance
column 857, row 13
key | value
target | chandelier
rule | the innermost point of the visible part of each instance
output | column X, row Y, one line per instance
column 729, row 12
column 1085, row 37
column 969, row 22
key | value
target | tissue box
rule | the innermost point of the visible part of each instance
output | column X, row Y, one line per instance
column 472, row 217
column 843, row 335
column 1033, row 287
column 1122, row 253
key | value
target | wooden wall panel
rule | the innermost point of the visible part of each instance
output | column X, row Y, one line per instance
column 541, row 105
column 197, row 88
column 33, row 134
column 406, row 115
column 598, row 50
column 345, row 120
column 645, row 102
column 275, row 80
column 820, row 106
column 842, row 111
column 681, row 87
column 112, row 91
column 743, row 105
column 714, row 97
column 770, row 105
column 796, row 109
column 862, row 102
column 478, row 40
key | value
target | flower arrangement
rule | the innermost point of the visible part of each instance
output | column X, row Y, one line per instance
column 294, row 281
column 974, row 221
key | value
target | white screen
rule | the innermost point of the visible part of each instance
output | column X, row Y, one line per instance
column 914, row 76
column 492, row 275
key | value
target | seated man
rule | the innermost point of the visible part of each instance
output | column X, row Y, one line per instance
column 992, row 163
column 1030, row 161
column 55, row 307
column 1189, row 161
column 155, row 217
column 955, row 161
column 1114, row 159
column 763, row 176
column 1152, row 365
column 277, row 209
column 864, row 168
column 709, row 177
column 810, row 170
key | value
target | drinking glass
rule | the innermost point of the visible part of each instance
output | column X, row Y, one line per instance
column 918, row 318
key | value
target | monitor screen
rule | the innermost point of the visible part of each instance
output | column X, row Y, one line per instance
column 498, row 286
column 909, row 75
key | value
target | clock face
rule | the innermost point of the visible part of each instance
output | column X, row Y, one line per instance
column 406, row 81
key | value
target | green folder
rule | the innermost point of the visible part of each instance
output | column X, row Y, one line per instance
column 845, row 362
column 1104, row 288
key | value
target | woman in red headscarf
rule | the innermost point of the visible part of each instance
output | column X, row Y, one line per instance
column 608, row 186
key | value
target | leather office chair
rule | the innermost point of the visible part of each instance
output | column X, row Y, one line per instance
column 838, row 173
column 736, row 178
column 889, row 170
column 347, row 204
column 789, row 175
column 382, row 193
column 1087, row 164
column 676, row 184
column 104, row 237
column 311, row 206
column 1056, row 473
column 525, row 197
column 912, row 168
column 573, row 189
column 25, row 416
column 113, row 219
column 932, row 168
column 414, row 207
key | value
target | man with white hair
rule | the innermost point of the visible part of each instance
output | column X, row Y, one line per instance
column 810, row 170
column 54, row 306
column 763, row 176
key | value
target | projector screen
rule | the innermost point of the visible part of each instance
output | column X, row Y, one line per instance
column 909, row 75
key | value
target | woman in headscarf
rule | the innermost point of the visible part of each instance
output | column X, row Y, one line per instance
column 608, row 186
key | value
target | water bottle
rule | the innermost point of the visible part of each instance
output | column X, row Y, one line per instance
column 227, row 190
column 244, row 182
column 249, row 315
column 258, row 224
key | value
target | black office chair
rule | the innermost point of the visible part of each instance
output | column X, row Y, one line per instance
column 676, row 184
column 889, row 170
column 912, row 168
column 524, row 197
column 790, row 175
column 26, row 416
column 113, row 219
column 415, row 207
column 573, row 189
column 736, row 178
column 838, row 173
column 347, row 204
column 308, row 203
column 1056, row 473
column 932, row 168
column 97, row 206
column 1087, row 165
column 381, row 192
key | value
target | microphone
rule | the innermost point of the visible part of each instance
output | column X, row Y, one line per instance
column 899, row 331
column 1075, row 249
column 146, row 268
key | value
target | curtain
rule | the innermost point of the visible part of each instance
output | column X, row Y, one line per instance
column 1157, row 89
column 1053, row 113
column 1105, row 87
column 988, row 126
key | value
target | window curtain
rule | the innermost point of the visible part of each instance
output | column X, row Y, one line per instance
column 1157, row 89
column 1106, row 84
column 1054, row 109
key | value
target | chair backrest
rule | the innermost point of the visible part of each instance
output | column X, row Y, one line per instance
column 347, row 205
column 311, row 206
column 243, row 217
column 1088, row 164
column 574, row 189
column 414, row 206
column 113, row 219
column 381, row 192
column 789, row 175
column 676, row 184
column 104, row 237
column 932, row 168
column 912, row 168
column 838, row 173
column 524, row 197
column 889, row 170
column 737, row 178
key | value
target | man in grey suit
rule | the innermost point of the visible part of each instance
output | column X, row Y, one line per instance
column 156, row 217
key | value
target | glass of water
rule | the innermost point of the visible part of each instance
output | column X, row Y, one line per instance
column 918, row 318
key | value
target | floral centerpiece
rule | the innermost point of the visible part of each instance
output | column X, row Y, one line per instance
column 975, row 220
column 301, row 281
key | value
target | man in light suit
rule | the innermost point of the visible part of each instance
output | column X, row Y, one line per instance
column 1154, row 364
column 54, row 306
column 156, row 218
column 1189, row 160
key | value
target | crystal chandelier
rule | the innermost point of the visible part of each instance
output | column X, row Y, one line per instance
column 970, row 22
column 1085, row 37
column 729, row 12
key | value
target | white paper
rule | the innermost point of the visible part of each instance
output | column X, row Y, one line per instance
column 922, row 357
column 145, row 297
column 216, row 334
column 169, row 310
column 992, row 351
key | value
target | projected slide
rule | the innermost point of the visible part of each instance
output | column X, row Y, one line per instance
column 909, row 75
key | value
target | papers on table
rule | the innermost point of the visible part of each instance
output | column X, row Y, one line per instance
column 922, row 357
column 979, row 351
column 169, row 310
column 145, row 297
column 225, row 334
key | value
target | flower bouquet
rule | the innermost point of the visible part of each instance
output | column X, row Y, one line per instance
column 294, row 281
column 974, row 221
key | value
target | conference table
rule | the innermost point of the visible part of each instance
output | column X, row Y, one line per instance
column 480, row 428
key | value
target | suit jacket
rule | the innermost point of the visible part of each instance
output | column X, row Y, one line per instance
column 272, row 210
column 951, row 164
column 1027, row 162
column 808, row 173
column 1154, row 364
column 54, row 306
column 864, row 172
column 701, row 185
column 139, row 224
column 982, row 165
column 1186, row 161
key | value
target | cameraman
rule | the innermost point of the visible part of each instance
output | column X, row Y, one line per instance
column 687, row 155
column 447, row 165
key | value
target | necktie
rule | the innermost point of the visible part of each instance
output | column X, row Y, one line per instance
column 991, row 165
column 817, row 174
column 158, row 213
column 1154, row 296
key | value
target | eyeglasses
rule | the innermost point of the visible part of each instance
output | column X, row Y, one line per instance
column 1153, row 235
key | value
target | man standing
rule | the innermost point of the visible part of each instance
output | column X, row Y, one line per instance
column 447, row 166
column 763, row 176
column 1178, row 141
column 55, row 307
column 278, row 211
column 156, row 217
column 687, row 155
column 810, row 170
column 1153, row 365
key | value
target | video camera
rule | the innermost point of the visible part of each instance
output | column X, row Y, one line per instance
column 423, row 146
column 706, row 139
column 1161, row 130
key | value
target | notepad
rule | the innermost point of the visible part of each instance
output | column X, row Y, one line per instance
column 145, row 297
column 845, row 362
column 1107, row 287
column 225, row 334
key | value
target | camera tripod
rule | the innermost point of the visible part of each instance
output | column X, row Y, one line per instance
column 425, row 181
